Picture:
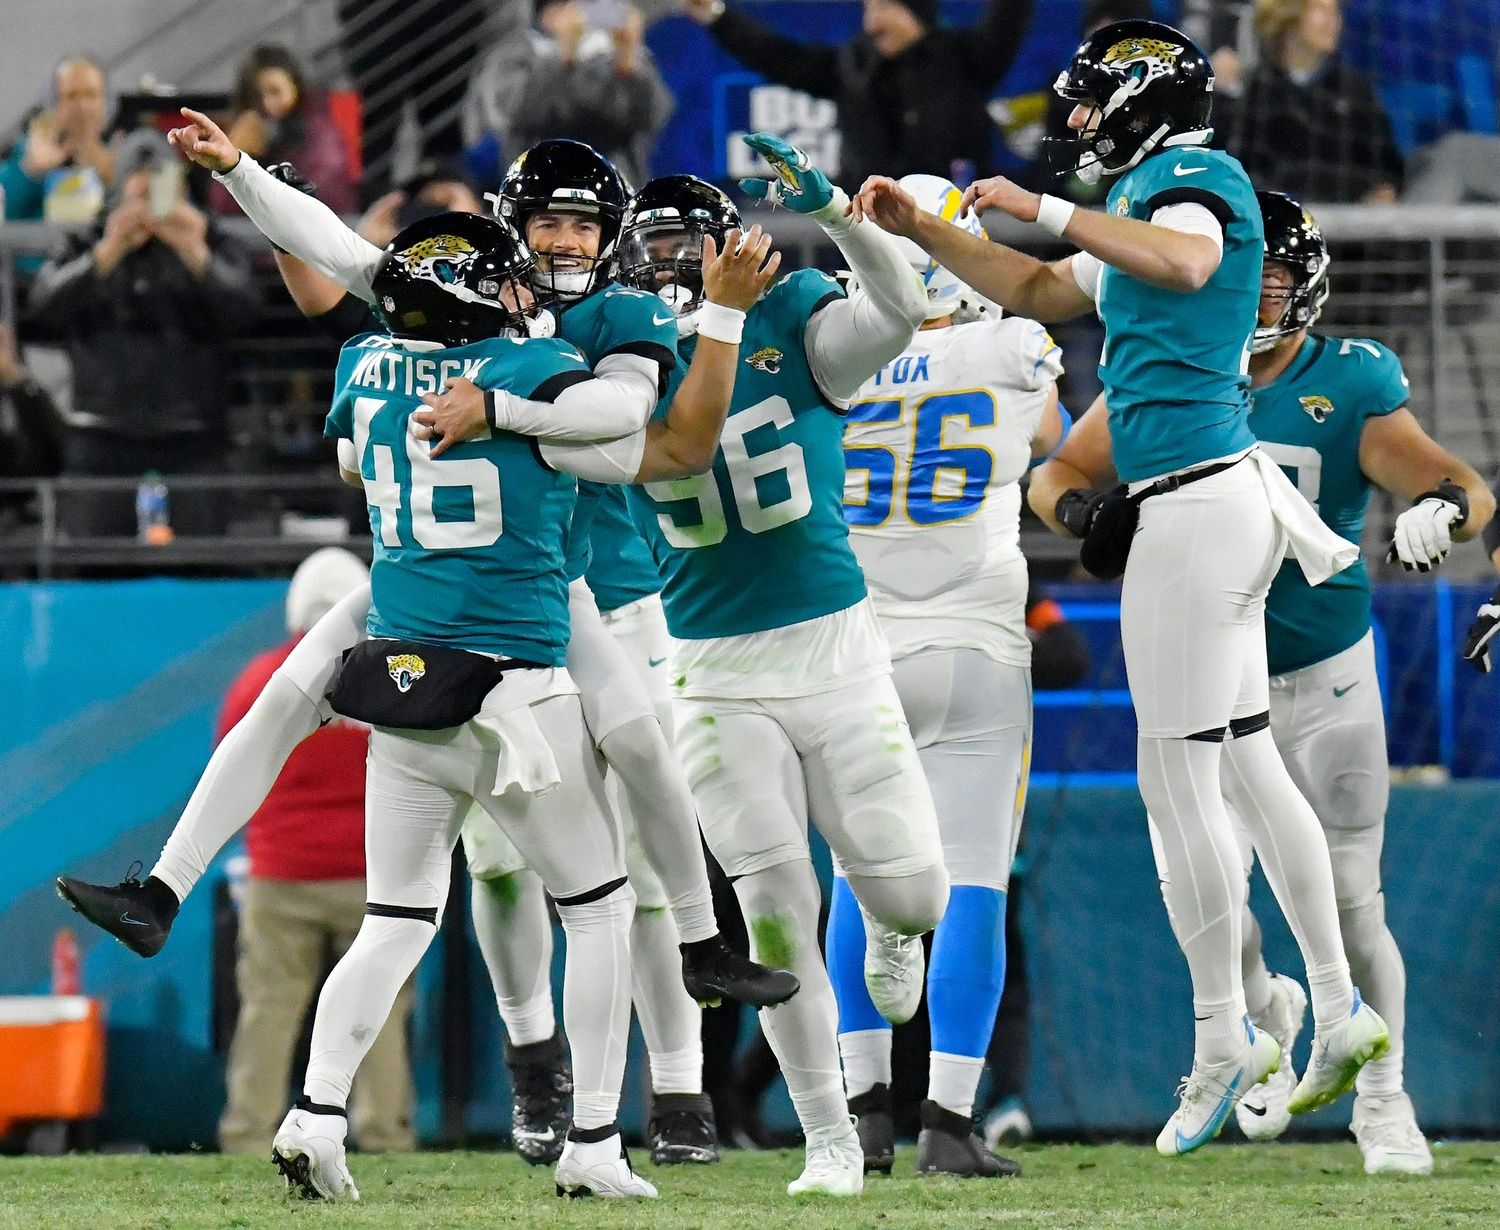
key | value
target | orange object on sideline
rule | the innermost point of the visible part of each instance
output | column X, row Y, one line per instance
column 51, row 1058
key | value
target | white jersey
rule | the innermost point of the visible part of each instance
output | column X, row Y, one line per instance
column 935, row 448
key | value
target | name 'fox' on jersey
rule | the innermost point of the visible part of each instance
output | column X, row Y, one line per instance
column 1175, row 365
column 613, row 320
column 469, row 546
column 935, row 447
column 1309, row 421
column 759, row 542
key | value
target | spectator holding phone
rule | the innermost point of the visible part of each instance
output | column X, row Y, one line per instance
column 146, row 302
column 582, row 71
column 61, row 169
column 279, row 118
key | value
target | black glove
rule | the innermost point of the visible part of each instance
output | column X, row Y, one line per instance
column 292, row 178
column 1476, row 650
column 1077, row 510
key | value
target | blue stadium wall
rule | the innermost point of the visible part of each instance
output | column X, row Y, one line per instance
column 106, row 721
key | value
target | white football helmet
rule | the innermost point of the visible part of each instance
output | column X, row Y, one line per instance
column 939, row 196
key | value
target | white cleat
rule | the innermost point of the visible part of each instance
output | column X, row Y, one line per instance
column 894, row 969
column 309, row 1152
column 1337, row 1056
column 599, row 1168
column 1209, row 1094
column 1388, row 1136
column 835, row 1163
column 1262, row 1112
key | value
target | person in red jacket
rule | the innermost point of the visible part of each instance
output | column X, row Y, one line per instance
column 304, row 901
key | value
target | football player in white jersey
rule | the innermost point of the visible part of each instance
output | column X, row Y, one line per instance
column 935, row 446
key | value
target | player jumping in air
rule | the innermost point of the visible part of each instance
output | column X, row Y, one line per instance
column 1173, row 266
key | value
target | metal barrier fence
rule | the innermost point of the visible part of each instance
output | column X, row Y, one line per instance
column 1423, row 280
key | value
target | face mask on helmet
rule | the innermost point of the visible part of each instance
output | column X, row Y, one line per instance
column 1146, row 85
column 565, row 179
column 1294, row 244
column 661, row 241
column 458, row 278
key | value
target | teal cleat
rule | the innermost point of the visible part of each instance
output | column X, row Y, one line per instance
column 1212, row 1091
column 798, row 185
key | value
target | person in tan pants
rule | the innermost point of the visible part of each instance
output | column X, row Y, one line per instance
column 304, row 902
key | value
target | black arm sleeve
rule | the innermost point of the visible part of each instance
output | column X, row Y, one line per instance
column 990, row 47
column 803, row 66
column 346, row 318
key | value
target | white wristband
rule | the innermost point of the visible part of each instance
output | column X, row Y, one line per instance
column 1053, row 214
column 720, row 323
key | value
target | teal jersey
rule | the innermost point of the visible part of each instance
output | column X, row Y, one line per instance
column 468, row 546
column 614, row 320
column 1175, row 365
column 1309, row 420
column 623, row 568
column 760, row 541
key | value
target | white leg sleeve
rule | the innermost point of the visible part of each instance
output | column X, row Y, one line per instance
column 246, row 764
column 515, row 939
column 596, row 1002
column 781, row 906
column 671, row 1022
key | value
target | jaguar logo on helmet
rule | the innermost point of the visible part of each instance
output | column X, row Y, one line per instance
column 441, row 258
column 767, row 359
column 1141, row 51
column 405, row 669
column 1318, row 406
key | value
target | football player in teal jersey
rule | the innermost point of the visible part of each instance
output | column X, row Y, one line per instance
column 1173, row 267
column 1332, row 412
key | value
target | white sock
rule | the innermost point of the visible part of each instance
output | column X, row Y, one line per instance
column 867, row 1059
column 651, row 787
column 356, row 1000
column 515, row 939
column 596, row 1002
column 781, row 907
column 1253, row 971
column 671, row 1022
column 1293, row 852
column 239, row 775
column 953, row 1080
column 1375, row 962
column 1204, row 885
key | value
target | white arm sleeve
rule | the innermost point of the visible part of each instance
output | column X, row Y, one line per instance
column 1190, row 218
column 617, row 402
column 304, row 226
column 850, row 340
column 609, row 461
column 1086, row 271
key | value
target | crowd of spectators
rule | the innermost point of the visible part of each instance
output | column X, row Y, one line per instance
column 150, row 296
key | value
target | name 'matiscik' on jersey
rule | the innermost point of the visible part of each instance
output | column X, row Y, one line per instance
column 468, row 547
column 1309, row 421
column 936, row 444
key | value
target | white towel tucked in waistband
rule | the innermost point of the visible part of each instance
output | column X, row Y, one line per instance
column 1319, row 551
column 506, row 723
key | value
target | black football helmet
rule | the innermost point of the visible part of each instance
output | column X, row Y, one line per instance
column 661, row 238
column 444, row 279
column 1294, row 240
column 1150, row 85
column 560, row 176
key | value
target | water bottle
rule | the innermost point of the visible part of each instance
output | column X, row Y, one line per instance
column 152, row 522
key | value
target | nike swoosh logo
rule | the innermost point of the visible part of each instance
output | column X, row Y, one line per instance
column 545, row 1137
column 134, row 922
column 1180, row 171
column 1253, row 1108
column 1350, row 688
column 655, row 661
column 662, row 320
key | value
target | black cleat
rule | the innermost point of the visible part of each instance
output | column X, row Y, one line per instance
column 682, row 1129
column 138, row 915
column 947, row 1144
column 711, row 970
column 877, row 1131
column 541, row 1082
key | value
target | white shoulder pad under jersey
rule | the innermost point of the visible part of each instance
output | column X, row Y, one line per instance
column 935, row 447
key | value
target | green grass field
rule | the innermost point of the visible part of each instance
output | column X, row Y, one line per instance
column 1225, row 1187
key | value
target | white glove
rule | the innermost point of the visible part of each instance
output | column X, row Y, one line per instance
column 1424, row 533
